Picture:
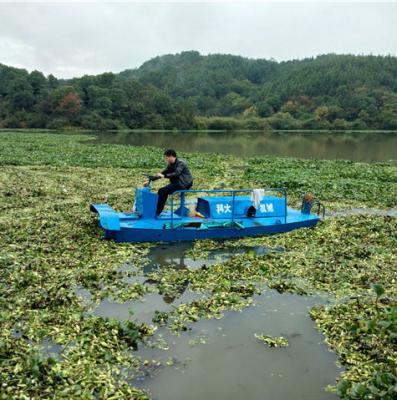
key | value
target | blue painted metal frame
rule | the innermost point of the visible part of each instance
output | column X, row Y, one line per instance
column 232, row 191
column 131, row 227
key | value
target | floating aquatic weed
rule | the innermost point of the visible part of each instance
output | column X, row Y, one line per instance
column 170, row 361
column 279, row 341
column 337, row 181
column 212, row 307
column 160, row 317
column 50, row 244
column 284, row 285
column 157, row 343
column 364, row 336
column 200, row 338
column 148, row 369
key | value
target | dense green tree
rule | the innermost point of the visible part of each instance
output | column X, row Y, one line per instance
column 264, row 108
column 37, row 81
column 188, row 90
column 52, row 82
column 20, row 93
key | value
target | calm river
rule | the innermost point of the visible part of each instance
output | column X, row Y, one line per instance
column 358, row 146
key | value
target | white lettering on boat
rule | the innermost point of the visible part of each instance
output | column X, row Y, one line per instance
column 268, row 207
column 223, row 208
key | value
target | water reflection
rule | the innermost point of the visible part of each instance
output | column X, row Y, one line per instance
column 175, row 255
column 358, row 146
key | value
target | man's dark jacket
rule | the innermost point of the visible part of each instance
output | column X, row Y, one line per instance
column 179, row 174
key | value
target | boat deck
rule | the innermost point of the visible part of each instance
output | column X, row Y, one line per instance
column 130, row 220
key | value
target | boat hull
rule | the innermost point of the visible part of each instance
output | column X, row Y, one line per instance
column 142, row 234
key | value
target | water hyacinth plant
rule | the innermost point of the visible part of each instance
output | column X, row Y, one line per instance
column 272, row 341
column 51, row 252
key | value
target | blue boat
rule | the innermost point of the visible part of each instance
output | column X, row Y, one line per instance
column 211, row 214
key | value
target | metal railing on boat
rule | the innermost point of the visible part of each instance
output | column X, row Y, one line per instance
column 229, row 191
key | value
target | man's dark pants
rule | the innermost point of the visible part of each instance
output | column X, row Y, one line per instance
column 164, row 192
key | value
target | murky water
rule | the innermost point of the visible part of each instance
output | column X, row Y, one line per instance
column 51, row 349
column 222, row 359
column 170, row 255
column 358, row 146
column 143, row 310
column 233, row 364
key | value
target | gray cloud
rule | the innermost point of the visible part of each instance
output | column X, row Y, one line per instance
column 73, row 39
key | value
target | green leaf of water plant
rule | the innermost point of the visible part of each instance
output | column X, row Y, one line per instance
column 378, row 289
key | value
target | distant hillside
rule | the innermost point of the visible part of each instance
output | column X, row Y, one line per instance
column 31, row 100
column 189, row 90
column 329, row 91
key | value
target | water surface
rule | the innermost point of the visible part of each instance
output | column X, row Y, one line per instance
column 358, row 146
column 222, row 359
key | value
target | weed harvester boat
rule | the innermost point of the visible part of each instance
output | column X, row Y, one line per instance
column 207, row 214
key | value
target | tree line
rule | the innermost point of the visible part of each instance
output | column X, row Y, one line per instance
column 192, row 91
column 102, row 102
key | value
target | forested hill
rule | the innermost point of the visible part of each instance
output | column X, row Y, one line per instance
column 326, row 91
column 31, row 100
column 189, row 90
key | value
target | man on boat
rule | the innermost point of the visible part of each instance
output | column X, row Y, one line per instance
column 178, row 174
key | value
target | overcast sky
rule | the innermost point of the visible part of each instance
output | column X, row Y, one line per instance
column 73, row 39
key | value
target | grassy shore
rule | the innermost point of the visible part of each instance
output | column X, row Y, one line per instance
column 50, row 246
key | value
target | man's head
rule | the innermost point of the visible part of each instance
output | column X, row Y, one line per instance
column 170, row 156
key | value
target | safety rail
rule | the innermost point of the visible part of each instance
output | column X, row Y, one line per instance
column 232, row 191
column 320, row 208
